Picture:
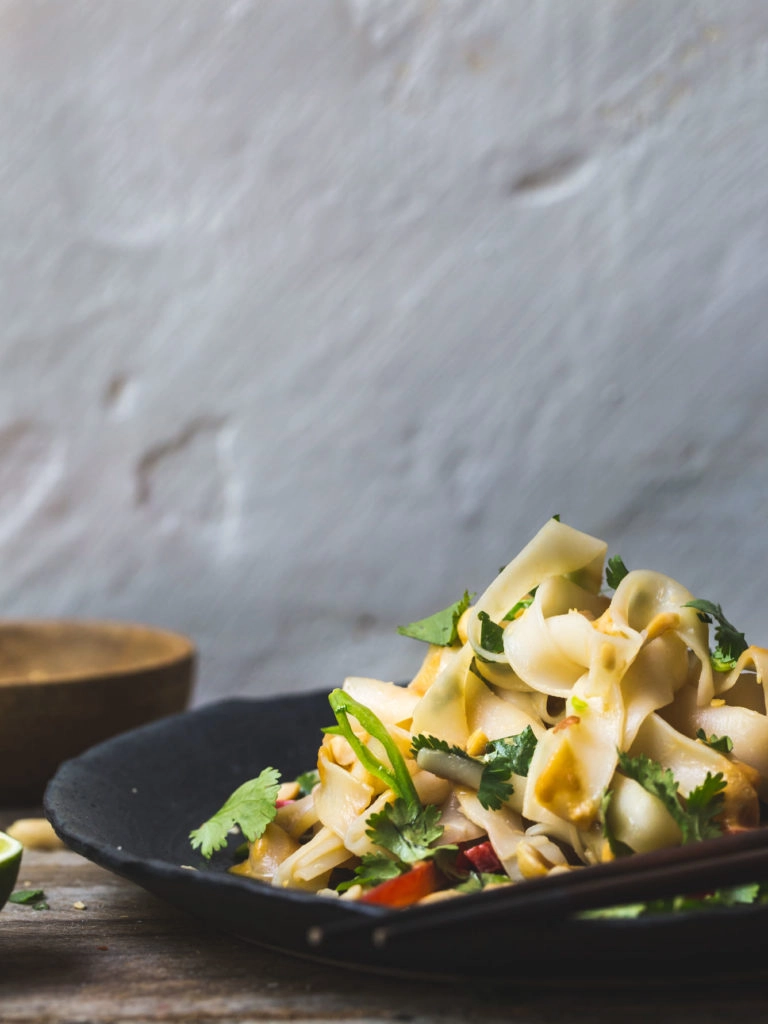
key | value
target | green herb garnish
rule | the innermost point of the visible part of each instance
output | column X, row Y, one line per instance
column 754, row 892
column 403, row 828
column 515, row 752
column 307, row 782
column 425, row 742
column 477, row 881
column 696, row 815
column 702, row 806
column 32, row 897
column 730, row 642
column 373, row 869
column 495, row 788
column 491, row 634
column 722, row 744
column 615, row 571
column 408, row 834
column 251, row 807
column 440, row 628
column 502, row 758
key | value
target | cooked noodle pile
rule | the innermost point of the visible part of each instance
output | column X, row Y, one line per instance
column 637, row 741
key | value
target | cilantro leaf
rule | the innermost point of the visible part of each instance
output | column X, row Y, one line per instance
column 722, row 744
column 373, row 869
column 695, row 818
column 491, row 635
column 615, row 571
column 504, row 757
column 307, row 782
column 658, row 781
column 495, row 788
column 25, row 896
column 516, row 752
column 251, row 806
column 704, row 803
column 730, row 642
column 440, row 628
column 406, row 831
column 426, row 742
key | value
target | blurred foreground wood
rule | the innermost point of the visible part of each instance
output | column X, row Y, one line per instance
column 128, row 957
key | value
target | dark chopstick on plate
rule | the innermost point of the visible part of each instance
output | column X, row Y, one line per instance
column 731, row 860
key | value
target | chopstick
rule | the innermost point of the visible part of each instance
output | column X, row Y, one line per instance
column 715, row 863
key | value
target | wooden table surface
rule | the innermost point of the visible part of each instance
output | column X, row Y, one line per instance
column 128, row 957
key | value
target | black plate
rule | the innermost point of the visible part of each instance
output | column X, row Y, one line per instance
column 129, row 804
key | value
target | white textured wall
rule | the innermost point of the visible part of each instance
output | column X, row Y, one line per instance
column 314, row 310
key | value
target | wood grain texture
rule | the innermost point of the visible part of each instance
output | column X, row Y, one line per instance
column 129, row 958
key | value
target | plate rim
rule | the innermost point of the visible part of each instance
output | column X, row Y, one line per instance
column 147, row 871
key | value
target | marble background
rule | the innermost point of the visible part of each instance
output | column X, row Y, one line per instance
column 313, row 312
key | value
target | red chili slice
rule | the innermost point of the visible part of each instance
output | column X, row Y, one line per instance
column 484, row 859
column 414, row 885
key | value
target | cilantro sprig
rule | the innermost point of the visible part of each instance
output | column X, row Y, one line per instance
column 515, row 752
column 409, row 835
column 502, row 759
column 373, row 869
column 702, row 806
column 251, row 807
column 441, row 628
column 729, row 640
column 695, row 815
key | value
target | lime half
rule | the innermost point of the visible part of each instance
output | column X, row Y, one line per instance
column 10, row 859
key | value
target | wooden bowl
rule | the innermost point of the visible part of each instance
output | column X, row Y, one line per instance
column 65, row 685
